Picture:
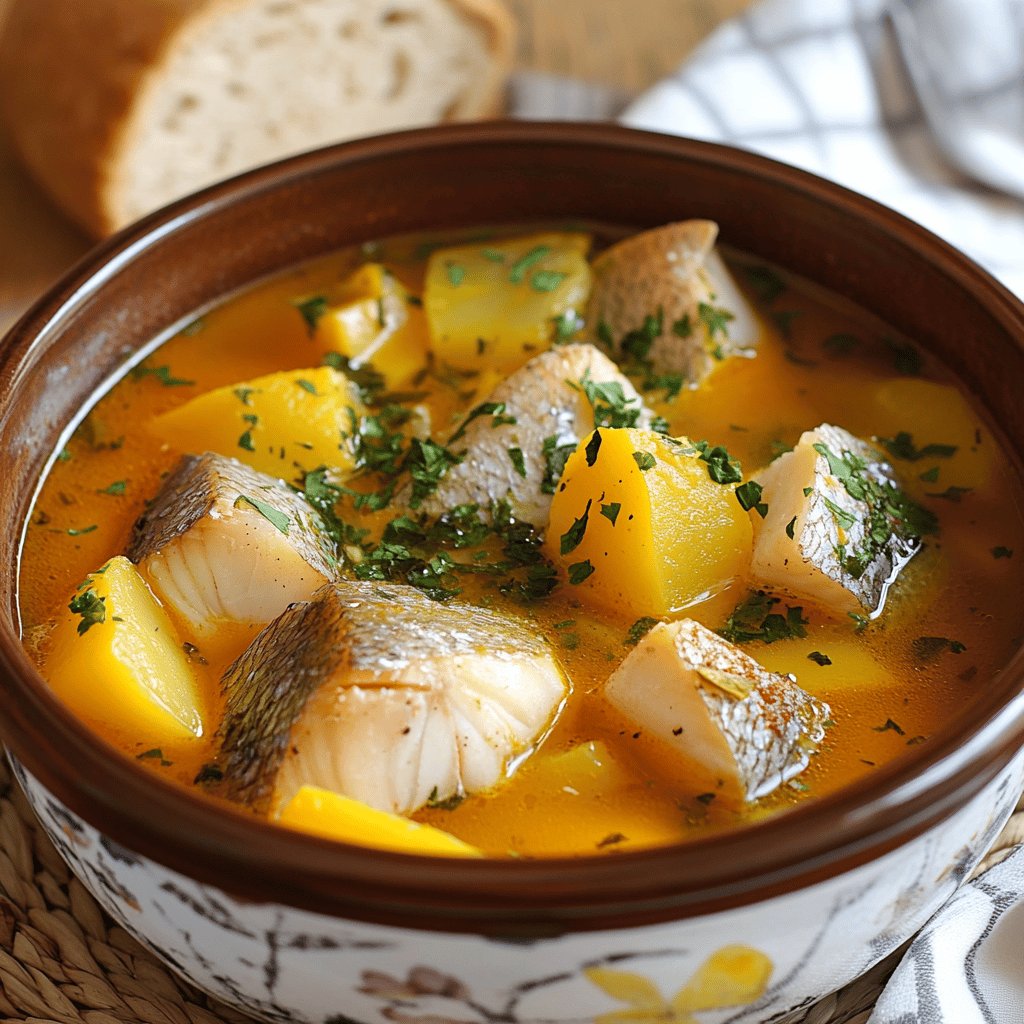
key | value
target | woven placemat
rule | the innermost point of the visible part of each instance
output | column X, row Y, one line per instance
column 63, row 960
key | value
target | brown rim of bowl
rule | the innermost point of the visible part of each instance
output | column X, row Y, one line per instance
column 508, row 898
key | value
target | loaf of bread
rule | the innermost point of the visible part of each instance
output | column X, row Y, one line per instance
column 120, row 106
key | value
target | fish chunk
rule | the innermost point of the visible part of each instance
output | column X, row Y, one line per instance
column 223, row 542
column 668, row 289
column 550, row 412
column 736, row 725
column 375, row 692
column 838, row 529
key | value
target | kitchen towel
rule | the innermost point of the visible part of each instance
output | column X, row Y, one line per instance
column 822, row 84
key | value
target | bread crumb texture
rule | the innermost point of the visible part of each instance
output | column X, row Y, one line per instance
column 120, row 106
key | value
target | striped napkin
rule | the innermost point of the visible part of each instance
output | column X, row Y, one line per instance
column 822, row 84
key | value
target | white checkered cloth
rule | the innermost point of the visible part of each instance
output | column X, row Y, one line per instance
column 821, row 84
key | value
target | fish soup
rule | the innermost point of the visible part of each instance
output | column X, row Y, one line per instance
column 525, row 543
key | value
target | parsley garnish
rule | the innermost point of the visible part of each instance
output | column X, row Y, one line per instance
column 496, row 410
column 312, row 311
column 749, row 497
column 579, row 571
column 926, row 648
column 116, row 488
column 929, row 476
column 766, row 283
column 518, row 272
column 890, row 726
column 645, row 461
column 208, row 773
column 754, row 619
column 279, row 520
column 156, row 754
column 819, row 659
column 245, row 441
column 593, row 447
column 1002, row 552
column 547, row 280
column 902, row 447
column 242, row 394
column 73, row 532
column 567, row 326
column 449, row 803
column 905, row 357
column 456, row 274
column 555, row 457
column 791, row 529
column 573, row 537
column 639, row 630
column 92, row 608
column 608, row 400
column 715, row 319
column 722, row 467
column 518, row 461
column 307, row 386
column 611, row 511
column 162, row 374
column 427, row 463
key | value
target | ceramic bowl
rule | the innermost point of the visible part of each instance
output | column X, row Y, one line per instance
column 741, row 926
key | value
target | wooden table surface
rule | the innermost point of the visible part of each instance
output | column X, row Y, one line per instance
column 624, row 43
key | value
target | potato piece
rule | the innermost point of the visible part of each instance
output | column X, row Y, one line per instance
column 334, row 816
column 283, row 424
column 494, row 304
column 370, row 319
column 666, row 296
column 840, row 663
column 838, row 530
column 734, row 725
column 117, row 661
column 641, row 528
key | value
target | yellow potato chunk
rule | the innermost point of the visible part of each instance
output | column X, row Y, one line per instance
column 334, row 816
column 281, row 424
column 117, row 661
column 640, row 527
column 372, row 319
column 828, row 662
column 496, row 304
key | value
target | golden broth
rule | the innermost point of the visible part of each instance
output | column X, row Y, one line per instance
column 819, row 360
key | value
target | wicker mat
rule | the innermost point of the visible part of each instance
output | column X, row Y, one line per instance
column 63, row 960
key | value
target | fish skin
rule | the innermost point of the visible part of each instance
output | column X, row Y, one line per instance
column 377, row 692
column 752, row 730
column 198, row 505
column 672, row 269
column 544, row 405
column 808, row 566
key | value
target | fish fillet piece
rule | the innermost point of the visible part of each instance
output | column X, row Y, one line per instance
column 552, row 413
column 732, row 722
column 819, row 541
column 380, row 694
column 223, row 542
column 668, row 289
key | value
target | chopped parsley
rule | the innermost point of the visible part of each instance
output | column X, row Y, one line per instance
column 890, row 726
column 518, row 461
column 929, row 476
column 579, row 571
column 749, row 497
column 245, row 441
column 547, row 280
column 312, row 311
column 81, row 531
column 496, row 410
column 611, row 511
column 593, row 447
column 639, row 630
column 208, row 773
column 573, row 537
column 683, row 327
column 116, row 488
column 307, row 385
column 156, row 754
column 715, row 319
column 449, row 803
column 242, row 394
column 765, row 282
column 722, row 467
column 905, row 358
column 902, row 447
column 278, row 519
column 567, row 326
column 517, row 274
column 754, row 619
column 791, row 529
column 1002, row 552
column 92, row 608
column 162, row 374
column 427, row 463
column 927, row 648
column 608, row 400
column 645, row 461
column 819, row 659
column 555, row 457
column 456, row 274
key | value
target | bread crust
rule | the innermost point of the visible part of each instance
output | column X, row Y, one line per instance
column 73, row 73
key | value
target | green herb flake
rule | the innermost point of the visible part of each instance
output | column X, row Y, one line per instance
column 555, row 457
column 246, row 442
column 645, row 461
column 518, row 461
column 579, row 571
column 905, row 358
column 902, row 447
column 279, row 520
column 493, row 255
column 808, row 491
column 715, row 319
column 927, row 648
column 819, row 659
column 208, row 773
column 573, row 537
column 683, row 327
column 92, row 608
column 312, row 311
column 749, row 497
column 517, row 274
column 791, row 529
column 765, row 282
column 611, row 511
column 162, row 374
column 456, row 274
column 64, row 455
column 449, row 803
column 496, row 410
column 593, row 447
column 307, row 385
column 860, row 622
column 117, row 488
column 547, row 280
column 705, row 798
column 1002, row 552
column 243, row 394
column 608, row 400
column 639, row 630
column 756, row 619
column 156, row 754
column 929, row 476
column 890, row 726
column 567, row 326
column 81, row 531
column 192, row 329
